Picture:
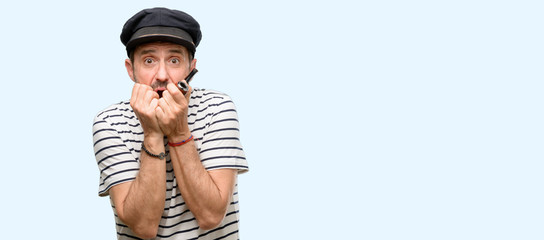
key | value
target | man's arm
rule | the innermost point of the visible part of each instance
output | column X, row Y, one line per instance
column 140, row 203
column 206, row 193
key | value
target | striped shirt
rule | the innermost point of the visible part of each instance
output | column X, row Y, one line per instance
column 213, row 121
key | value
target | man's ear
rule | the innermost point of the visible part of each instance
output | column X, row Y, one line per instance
column 130, row 69
column 193, row 64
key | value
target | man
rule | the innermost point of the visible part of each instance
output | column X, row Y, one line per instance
column 168, row 160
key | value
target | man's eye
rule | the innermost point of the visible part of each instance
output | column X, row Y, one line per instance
column 175, row 60
column 148, row 60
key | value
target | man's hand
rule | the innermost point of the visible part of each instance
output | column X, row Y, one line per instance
column 172, row 113
column 144, row 101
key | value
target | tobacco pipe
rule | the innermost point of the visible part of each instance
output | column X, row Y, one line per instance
column 182, row 85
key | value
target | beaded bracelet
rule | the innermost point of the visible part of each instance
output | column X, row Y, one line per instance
column 161, row 155
column 180, row 143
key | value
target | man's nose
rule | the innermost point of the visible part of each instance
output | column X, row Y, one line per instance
column 162, row 74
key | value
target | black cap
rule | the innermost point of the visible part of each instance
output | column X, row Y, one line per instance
column 161, row 24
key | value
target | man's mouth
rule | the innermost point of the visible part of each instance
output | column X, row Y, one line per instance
column 160, row 91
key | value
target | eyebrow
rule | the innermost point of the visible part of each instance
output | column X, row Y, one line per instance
column 176, row 51
column 144, row 52
column 147, row 51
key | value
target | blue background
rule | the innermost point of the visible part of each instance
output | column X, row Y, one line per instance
column 360, row 119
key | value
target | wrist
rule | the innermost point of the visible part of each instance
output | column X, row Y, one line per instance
column 179, row 137
column 177, row 144
column 154, row 138
column 160, row 155
column 154, row 143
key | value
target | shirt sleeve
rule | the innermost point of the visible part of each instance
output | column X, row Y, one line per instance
column 115, row 160
column 221, row 146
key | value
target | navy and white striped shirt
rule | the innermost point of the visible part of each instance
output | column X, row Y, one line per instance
column 213, row 121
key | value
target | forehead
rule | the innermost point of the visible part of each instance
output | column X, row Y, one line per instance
column 160, row 46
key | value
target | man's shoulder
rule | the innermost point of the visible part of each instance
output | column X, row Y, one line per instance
column 122, row 108
column 208, row 93
column 204, row 98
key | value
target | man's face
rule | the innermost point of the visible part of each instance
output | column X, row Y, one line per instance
column 155, row 64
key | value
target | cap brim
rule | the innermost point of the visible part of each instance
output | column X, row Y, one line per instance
column 160, row 34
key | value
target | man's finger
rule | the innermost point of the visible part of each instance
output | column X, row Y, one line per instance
column 188, row 94
column 134, row 95
column 168, row 97
column 174, row 91
column 159, row 113
column 150, row 95
column 154, row 102
column 165, row 107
